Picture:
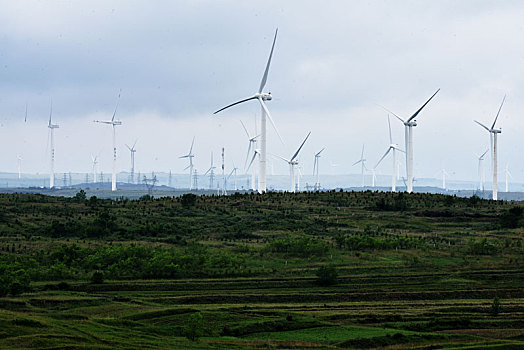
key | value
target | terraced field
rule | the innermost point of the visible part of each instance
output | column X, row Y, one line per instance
column 430, row 272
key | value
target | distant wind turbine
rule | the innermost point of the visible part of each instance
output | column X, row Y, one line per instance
column 393, row 147
column 52, row 128
column 113, row 123
column 94, row 160
column 211, row 172
column 481, row 170
column 19, row 157
column 190, row 156
column 133, row 151
column 316, row 171
column 362, row 160
column 293, row 162
column 493, row 142
column 409, row 124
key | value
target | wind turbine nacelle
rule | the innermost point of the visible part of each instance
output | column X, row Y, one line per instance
column 266, row 96
column 117, row 122
column 496, row 131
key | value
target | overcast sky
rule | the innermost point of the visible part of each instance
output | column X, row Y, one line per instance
column 176, row 62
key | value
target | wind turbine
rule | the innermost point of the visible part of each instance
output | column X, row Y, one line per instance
column 393, row 147
column 252, row 146
column 19, row 157
column 508, row 174
column 52, row 128
column 113, row 123
column 293, row 162
column 363, row 161
column 493, row 142
column 409, row 124
column 132, row 150
column 94, row 159
column 481, row 171
column 211, row 172
column 233, row 172
column 444, row 174
column 190, row 155
column 262, row 97
column 315, row 169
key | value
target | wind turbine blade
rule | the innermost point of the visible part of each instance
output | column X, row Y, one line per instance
column 247, row 154
column 358, row 161
column 284, row 159
column 233, row 104
column 484, row 126
column 302, row 145
column 264, row 78
column 390, row 137
column 247, row 133
column 315, row 165
column 187, row 167
column 134, row 144
column 270, row 119
column 362, row 155
column 318, row 154
column 387, row 110
column 50, row 113
column 493, row 126
column 129, row 148
column 483, row 154
column 384, row 156
column 192, row 143
column 116, row 107
column 424, row 105
column 252, row 160
column 186, row 156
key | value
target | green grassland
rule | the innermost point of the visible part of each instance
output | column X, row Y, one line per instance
column 324, row 270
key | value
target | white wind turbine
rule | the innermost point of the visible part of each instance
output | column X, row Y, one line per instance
column 113, row 123
column 362, row 160
column 493, row 142
column 409, row 124
column 19, row 158
column 508, row 174
column 211, row 172
column 52, row 128
column 94, row 160
column 233, row 173
column 393, row 147
column 481, row 170
column 444, row 173
column 133, row 151
column 252, row 146
column 293, row 162
column 262, row 97
column 315, row 169
column 190, row 156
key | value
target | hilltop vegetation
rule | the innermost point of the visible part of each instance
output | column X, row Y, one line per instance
column 340, row 269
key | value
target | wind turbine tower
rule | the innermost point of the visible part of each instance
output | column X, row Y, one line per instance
column 409, row 124
column 19, row 166
column 52, row 128
column 133, row 151
column 262, row 97
column 508, row 174
column 94, row 159
column 223, row 175
column 493, row 138
column 316, row 171
column 113, row 123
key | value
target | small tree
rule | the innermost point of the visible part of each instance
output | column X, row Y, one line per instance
column 97, row 278
column 80, row 196
column 496, row 308
column 195, row 326
column 327, row 275
column 188, row 200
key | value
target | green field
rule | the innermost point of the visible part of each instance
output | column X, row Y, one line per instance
column 308, row 270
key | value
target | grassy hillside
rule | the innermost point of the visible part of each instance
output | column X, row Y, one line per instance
column 306, row 270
